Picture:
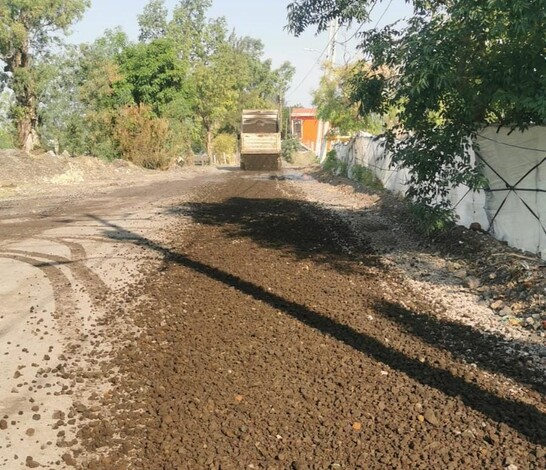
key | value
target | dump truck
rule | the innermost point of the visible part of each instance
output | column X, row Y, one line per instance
column 260, row 140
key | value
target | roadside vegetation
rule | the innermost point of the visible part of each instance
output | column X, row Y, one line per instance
column 179, row 89
column 434, row 81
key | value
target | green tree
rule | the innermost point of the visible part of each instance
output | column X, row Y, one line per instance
column 333, row 99
column 216, row 93
column 28, row 27
column 460, row 65
column 257, row 84
column 155, row 75
column 153, row 21
column 61, row 112
column 6, row 129
column 191, row 30
column 82, row 93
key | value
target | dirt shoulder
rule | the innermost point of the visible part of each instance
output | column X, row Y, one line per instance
column 466, row 275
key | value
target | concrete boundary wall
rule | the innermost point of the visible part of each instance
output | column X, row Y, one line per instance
column 513, row 209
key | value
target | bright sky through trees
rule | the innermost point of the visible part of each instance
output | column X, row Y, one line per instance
column 262, row 19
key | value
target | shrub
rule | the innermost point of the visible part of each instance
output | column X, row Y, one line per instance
column 7, row 140
column 145, row 140
column 224, row 145
column 333, row 165
column 288, row 148
column 331, row 162
column 365, row 177
column 431, row 220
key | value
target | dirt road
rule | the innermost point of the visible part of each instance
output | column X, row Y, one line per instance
column 260, row 332
column 59, row 276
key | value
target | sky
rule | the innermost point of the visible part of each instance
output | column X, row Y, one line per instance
column 262, row 19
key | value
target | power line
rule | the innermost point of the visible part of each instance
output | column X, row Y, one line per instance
column 293, row 90
column 360, row 27
column 376, row 23
column 383, row 14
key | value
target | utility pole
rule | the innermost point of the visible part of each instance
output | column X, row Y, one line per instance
column 324, row 127
column 333, row 31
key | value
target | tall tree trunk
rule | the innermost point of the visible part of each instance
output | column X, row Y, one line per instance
column 25, row 133
column 25, row 99
column 209, row 144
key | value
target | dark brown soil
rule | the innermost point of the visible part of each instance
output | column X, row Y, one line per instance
column 266, row 342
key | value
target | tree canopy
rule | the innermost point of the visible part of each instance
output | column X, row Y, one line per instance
column 182, row 84
column 457, row 66
column 333, row 99
column 28, row 27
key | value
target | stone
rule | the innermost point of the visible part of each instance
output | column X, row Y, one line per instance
column 506, row 312
column 69, row 460
column 431, row 418
column 3, row 424
column 31, row 463
column 497, row 304
column 461, row 273
column 472, row 282
column 509, row 461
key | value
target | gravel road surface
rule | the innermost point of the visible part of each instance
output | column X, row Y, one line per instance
column 227, row 321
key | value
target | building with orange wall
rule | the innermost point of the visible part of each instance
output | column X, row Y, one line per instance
column 305, row 125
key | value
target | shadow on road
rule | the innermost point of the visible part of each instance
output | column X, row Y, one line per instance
column 487, row 350
column 277, row 223
column 522, row 417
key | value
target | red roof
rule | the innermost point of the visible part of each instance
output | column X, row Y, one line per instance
column 304, row 112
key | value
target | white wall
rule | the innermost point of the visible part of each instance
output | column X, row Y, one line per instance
column 510, row 157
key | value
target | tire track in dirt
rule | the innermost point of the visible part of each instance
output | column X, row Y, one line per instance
column 261, row 346
column 61, row 284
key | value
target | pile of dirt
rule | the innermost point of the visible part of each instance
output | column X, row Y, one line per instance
column 269, row 339
column 21, row 170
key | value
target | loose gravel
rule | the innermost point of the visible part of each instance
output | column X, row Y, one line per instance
column 274, row 335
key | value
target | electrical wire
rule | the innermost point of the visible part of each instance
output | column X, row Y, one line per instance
column 512, row 145
column 383, row 14
column 293, row 90
column 360, row 27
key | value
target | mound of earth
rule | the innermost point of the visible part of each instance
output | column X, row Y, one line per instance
column 21, row 170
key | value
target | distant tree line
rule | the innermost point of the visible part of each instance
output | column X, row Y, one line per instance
column 176, row 90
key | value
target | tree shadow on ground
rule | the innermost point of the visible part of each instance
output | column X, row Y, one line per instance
column 310, row 232
column 277, row 223
column 522, row 417
column 486, row 350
